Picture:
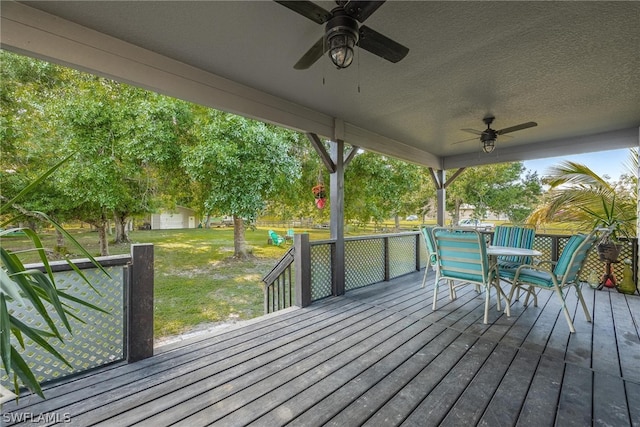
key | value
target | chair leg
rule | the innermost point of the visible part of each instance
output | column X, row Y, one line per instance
column 452, row 290
column 424, row 279
column 584, row 305
column 435, row 293
column 565, row 310
column 486, row 304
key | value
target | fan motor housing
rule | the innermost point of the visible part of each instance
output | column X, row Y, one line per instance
column 341, row 23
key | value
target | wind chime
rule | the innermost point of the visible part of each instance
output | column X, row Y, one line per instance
column 319, row 192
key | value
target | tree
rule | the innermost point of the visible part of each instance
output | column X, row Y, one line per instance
column 239, row 164
column 378, row 187
column 498, row 188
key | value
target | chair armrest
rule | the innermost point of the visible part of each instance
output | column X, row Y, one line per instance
column 537, row 267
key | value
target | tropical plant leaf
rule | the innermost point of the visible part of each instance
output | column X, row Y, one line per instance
column 5, row 337
column 21, row 369
column 35, row 335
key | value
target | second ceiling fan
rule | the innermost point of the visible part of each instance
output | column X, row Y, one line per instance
column 488, row 136
column 343, row 33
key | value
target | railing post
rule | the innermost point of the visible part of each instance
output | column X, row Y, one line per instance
column 302, row 261
column 140, row 303
column 385, row 245
column 418, row 240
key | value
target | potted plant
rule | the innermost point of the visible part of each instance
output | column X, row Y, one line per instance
column 618, row 224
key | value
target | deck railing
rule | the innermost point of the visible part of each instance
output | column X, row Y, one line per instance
column 125, row 331
column 377, row 258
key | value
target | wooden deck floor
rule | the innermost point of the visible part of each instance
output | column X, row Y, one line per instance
column 378, row 357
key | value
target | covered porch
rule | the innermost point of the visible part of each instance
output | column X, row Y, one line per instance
column 376, row 356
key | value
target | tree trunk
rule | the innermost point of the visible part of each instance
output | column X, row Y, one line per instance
column 121, row 228
column 397, row 220
column 59, row 239
column 241, row 251
column 103, row 226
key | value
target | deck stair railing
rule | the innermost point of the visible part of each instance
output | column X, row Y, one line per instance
column 278, row 284
column 306, row 271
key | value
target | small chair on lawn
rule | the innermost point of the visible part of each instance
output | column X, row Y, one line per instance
column 276, row 239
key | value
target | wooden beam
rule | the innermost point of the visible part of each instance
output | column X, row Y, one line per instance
column 453, row 177
column 322, row 152
column 350, row 155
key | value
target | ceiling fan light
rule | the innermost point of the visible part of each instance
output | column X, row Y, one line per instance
column 488, row 145
column 341, row 49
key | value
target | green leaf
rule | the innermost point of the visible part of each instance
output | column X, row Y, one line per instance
column 33, row 185
column 22, row 370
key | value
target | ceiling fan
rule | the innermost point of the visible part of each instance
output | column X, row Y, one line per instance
column 488, row 136
column 342, row 33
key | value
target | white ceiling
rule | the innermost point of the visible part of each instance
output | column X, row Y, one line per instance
column 572, row 67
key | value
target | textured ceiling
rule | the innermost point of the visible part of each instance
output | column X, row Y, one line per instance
column 572, row 67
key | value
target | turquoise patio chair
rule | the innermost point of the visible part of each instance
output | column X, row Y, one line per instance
column 461, row 255
column 515, row 237
column 276, row 238
column 431, row 252
column 563, row 275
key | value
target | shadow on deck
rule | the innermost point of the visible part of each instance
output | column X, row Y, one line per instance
column 378, row 356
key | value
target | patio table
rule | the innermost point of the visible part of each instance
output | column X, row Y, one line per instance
column 493, row 252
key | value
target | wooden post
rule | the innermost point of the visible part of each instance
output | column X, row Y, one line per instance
column 302, row 262
column 418, row 240
column 337, row 215
column 387, row 266
column 139, row 303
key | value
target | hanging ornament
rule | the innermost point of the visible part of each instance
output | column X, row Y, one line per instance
column 319, row 192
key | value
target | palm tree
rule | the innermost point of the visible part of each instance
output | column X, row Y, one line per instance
column 578, row 195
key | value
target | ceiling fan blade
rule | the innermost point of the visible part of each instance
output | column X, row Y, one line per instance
column 516, row 127
column 312, row 55
column 473, row 131
column 465, row 140
column 307, row 9
column 380, row 45
column 361, row 10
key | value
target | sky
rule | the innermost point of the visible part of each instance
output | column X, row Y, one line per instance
column 612, row 163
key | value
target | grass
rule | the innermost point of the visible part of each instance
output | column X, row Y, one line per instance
column 196, row 279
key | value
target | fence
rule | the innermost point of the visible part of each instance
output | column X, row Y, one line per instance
column 125, row 331
column 377, row 258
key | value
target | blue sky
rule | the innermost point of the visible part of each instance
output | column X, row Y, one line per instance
column 612, row 163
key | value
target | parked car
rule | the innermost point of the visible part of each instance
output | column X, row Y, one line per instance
column 412, row 218
column 475, row 223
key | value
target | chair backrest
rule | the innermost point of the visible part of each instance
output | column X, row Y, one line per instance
column 515, row 237
column 573, row 257
column 275, row 238
column 461, row 254
column 428, row 242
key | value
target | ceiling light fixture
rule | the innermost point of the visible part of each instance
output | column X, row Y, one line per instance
column 342, row 36
column 488, row 143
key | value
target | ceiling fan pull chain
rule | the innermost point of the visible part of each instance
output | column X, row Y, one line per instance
column 358, row 53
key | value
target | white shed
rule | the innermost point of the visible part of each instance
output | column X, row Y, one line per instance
column 177, row 218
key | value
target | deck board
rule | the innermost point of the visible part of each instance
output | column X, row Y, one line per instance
column 379, row 356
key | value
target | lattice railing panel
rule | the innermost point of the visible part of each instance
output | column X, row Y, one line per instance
column 364, row 262
column 321, row 271
column 402, row 255
column 97, row 341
